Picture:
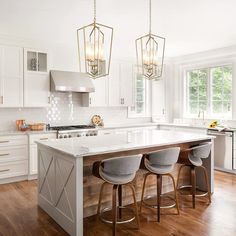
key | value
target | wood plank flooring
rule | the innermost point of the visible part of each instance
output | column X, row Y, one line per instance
column 20, row 216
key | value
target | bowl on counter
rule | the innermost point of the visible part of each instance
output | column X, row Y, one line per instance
column 37, row 127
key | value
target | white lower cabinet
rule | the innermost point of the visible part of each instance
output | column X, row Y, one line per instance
column 13, row 158
column 33, row 164
column 33, row 151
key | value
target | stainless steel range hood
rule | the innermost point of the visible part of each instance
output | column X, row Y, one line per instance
column 66, row 81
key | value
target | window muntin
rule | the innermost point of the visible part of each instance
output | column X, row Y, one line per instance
column 209, row 90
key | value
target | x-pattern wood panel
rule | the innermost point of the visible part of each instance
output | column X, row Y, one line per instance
column 64, row 171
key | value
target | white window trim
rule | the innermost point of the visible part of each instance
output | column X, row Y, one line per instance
column 207, row 66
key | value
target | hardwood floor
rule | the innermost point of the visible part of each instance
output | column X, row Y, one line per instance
column 19, row 214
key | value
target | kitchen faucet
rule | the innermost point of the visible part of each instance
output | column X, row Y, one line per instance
column 199, row 115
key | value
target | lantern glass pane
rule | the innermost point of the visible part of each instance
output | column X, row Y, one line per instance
column 150, row 54
column 94, row 48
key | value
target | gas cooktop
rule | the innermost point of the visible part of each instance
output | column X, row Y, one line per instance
column 71, row 131
column 72, row 127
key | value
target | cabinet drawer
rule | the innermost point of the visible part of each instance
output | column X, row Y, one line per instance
column 13, row 140
column 33, row 138
column 13, row 153
column 13, row 169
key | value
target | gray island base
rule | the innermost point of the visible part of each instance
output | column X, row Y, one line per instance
column 64, row 170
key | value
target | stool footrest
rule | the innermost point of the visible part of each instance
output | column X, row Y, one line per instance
column 189, row 187
column 118, row 221
column 162, row 207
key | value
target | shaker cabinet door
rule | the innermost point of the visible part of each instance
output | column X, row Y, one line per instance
column 36, row 90
column 11, row 76
column 126, row 84
column 36, row 78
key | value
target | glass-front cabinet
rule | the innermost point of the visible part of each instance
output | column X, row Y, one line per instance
column 36, row 78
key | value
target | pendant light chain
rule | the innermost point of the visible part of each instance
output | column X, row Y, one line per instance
column 150, row 16
column 94, row 10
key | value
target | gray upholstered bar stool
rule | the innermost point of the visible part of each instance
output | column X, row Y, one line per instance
column 192, row 158
column 118, row 172
column 160, row 163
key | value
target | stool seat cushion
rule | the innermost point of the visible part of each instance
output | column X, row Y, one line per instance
column 117, row 179
column 195, row 160
column 159, row 169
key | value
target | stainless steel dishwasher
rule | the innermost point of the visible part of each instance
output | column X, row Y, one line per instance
column 223, row 150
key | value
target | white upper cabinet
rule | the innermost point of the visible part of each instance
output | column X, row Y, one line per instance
column 99, row 98
column 36, row 78
column 11, row 76
column 114, row 85
column 121, row 92
column 126, row 84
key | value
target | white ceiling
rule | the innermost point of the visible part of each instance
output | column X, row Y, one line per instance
column 188, row 25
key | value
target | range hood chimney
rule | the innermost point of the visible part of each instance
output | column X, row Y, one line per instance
column 66, row 81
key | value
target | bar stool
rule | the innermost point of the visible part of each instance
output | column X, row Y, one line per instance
column 192, row 158
column 160, row 163
column 118, row 172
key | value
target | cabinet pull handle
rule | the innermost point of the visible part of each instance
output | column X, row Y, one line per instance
column 4, row 154
column 90, row 101
column 5, row 141
column 1, row 99
column 49, row 100
column 4, row 170
column 43, row 138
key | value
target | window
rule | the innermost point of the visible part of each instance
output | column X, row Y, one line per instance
column 209, row 90
column 141, row 99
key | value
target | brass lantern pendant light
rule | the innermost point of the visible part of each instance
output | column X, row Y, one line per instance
column 94, row 48
column 150, row 50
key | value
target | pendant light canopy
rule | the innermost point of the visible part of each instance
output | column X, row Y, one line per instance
column 94, row 48
column 150, row 50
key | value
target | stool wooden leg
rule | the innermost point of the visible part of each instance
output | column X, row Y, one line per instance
column 114, row 209
column 175, row 193
column 100, row 200
column 135, row 205
column 177, row 184
column 144, row 184
column 120, row 201
column 193, row 183
column 158, row 197
column 207, row 183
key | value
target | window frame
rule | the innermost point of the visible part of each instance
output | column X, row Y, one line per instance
column 208, row 68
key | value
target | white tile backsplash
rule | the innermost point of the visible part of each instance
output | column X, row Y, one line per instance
column 65, row 109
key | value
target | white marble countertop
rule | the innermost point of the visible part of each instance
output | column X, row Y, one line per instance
column 93, row 145
column 120, row 126
column 15, row 132
column 184, row 125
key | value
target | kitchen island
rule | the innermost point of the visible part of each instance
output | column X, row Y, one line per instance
column 66, row 189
